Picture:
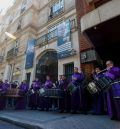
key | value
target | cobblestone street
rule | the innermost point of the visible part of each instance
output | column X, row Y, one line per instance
column 54, row 120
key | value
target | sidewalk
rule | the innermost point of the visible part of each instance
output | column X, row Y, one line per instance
column 54, row 120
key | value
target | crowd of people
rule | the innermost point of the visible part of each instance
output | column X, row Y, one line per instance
column 75, row 98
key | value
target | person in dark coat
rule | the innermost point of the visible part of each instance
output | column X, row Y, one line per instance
column 45, row 103
column 57, row 83
column 113, row 94
column 34, row 94
column 64, row 103
column 21, row 102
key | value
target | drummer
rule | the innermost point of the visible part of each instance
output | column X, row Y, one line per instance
column 113, row 104
column 98, row 98
column 21, row 101
column 57, row 83
column 34, row 94
column 77, row 96
column 64, row 104
column 6, row 85
column 45, row 103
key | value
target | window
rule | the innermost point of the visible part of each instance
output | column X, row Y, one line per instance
column 10, row 19
column 56, row 8
column 3, row 53
column 69, row 69
column 52, row 31
column 19, row 24
column 17, row 44
column 23, row 7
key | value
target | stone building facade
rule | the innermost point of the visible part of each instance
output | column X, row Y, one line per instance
column 46, row 42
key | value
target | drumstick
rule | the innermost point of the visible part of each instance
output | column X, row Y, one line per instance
column 103, row 71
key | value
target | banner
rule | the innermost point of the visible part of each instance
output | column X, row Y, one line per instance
column 30, row 54
column 64, row 45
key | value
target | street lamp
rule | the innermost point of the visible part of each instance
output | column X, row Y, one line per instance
column 10, row 35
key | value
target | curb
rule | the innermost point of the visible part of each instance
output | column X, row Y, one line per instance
column 17, row 122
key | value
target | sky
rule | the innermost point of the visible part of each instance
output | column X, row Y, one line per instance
column 4, row 4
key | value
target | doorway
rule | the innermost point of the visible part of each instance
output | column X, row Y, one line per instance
column 69, row 69
column 106, row 39
column 47, row 65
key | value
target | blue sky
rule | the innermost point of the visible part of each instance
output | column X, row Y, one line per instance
column 4, row 4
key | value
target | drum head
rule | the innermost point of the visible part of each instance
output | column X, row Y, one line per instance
column 42, row 91
column 92, row 88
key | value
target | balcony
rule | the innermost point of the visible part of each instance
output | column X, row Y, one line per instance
column 103, row 13
column 12, row 53
column 43, row 40
column 55, row 14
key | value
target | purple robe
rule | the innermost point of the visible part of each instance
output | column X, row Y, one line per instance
column 78, row 97
column 45, row 103
column 113, row 104
column 48, row 84
column 34, row 97
column 6, row 86
column 21, row 102
column 98, row 98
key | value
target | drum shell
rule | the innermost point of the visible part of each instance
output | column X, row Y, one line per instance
column 71, row 88
column 104, row 83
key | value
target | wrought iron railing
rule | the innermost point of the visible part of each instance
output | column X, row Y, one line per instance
column 12, row 53
column 42, row 40
column 53, row 15
column 53, row 34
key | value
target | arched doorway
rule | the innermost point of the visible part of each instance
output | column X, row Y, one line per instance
column 47, row 65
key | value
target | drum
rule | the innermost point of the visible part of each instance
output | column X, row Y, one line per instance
column 42, row 92
column 71, row 87
column 92, row 88
column 104, row 83
column 54, row 93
